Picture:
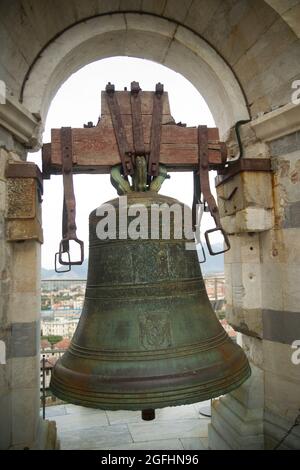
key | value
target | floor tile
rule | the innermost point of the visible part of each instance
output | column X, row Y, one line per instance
column 163, row 414
column 177, row 413
column 96, row 437
column 192, row 443
column 123, row 416
column 204, row 441
column 52, row 411
column 80, row 422
column 174, row 428
column 165, row 444
column 80, row 410
column 168, row 429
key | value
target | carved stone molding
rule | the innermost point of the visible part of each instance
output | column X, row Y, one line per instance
column 277, row 123
column 24, row 126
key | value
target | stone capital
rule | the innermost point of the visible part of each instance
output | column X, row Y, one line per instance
column 24, row 126
column 278, row 123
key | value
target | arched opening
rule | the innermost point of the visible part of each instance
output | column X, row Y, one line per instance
column 143, row 36
column 217, row 45
column 77, row 102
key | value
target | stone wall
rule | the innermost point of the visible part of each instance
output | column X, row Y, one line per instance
column 281, row 296
column 20, row 423
column 262, row 273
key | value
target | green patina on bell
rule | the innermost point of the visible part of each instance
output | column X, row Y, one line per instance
column 147, row 337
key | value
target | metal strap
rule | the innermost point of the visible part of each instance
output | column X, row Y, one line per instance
column 208, row 198
column 196, row 198
column 69, row 208
column 69, row 204
column 196, row 219
column 153, row 164
column 137, row 121
column 124, row 150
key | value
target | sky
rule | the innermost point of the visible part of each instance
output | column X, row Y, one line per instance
column 79, row 101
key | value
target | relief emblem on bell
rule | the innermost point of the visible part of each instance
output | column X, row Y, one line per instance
column 155, row 331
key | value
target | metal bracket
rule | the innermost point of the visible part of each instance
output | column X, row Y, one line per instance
column 123, row 146
column 208, row 198
column 69, row 205
column 243, row 164
column 137, row 122
column 153, row 164
column 128, row 155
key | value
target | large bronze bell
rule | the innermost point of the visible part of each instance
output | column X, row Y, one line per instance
column 147, row 337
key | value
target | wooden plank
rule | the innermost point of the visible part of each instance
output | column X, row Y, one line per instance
column 95, row 149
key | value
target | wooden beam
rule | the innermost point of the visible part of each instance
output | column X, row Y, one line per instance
column 95, row 149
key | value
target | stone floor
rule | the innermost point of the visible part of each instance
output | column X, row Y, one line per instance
column 181, row 427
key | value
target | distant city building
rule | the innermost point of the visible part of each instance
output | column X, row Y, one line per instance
column 59, row 327
column 63, row 344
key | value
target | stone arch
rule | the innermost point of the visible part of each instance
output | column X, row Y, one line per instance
column 144, row 36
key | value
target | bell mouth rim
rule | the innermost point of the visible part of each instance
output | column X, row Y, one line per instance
column 196, row 390
column 175, row 396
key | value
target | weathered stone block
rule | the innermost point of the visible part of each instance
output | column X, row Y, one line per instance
column 238, row 416
column 244, row 190
column 25, row 229
column 278, row 357
column 25, row 417
column 290, row 287
column 248, row 220
column 250, row 248
column 5, row 377
column 26, row 267
column 21, row 198
column 246, row 321
column 234, row 254
column 285, row 145
column 253, row 347
column 24, row 306
column 282, row 394
column 5, row 421
column 3, row 204
column 238, row 290
column 292, row 215
column 228, row 283
column 272, row 285
column 3, row 160
column 24, row 340
column 276, row 428
column 281, row 326
column 244, row 248
column 25, row 372
column 251, row 280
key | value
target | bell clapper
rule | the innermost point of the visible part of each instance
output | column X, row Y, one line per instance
column 148, row 415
